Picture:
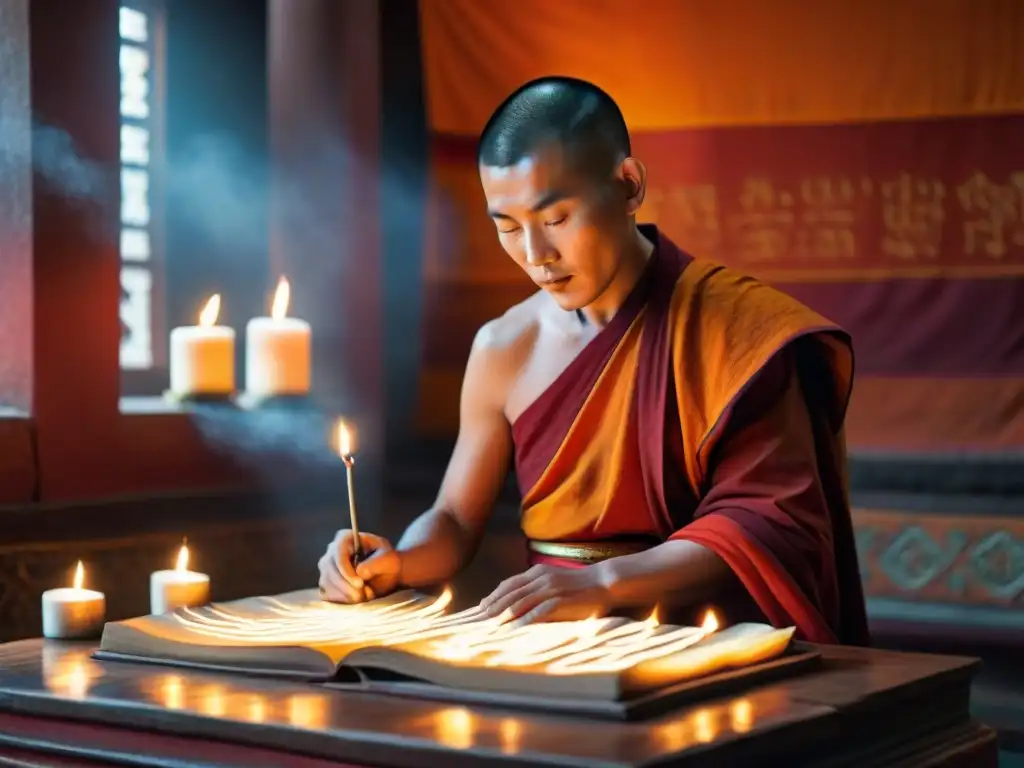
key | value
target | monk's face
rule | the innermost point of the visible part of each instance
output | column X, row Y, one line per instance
column 565, row 226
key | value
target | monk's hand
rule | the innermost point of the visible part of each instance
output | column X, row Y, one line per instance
column 347, row 579
column 547, row 593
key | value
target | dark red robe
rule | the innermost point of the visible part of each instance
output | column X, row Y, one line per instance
column 709, row 409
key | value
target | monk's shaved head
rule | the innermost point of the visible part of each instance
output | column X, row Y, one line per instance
column 563, row 189
column 573, row 115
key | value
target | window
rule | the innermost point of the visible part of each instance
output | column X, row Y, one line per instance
column 142, row 353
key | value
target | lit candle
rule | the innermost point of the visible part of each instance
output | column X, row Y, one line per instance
column 179, row 588
column 277, row 351
column 710, row 624
column 202, row 357
column 347, row 454
column 73, row 612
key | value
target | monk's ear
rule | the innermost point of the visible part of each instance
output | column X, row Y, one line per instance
column 633, row 174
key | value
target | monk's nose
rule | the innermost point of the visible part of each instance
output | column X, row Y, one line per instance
column 538, row 250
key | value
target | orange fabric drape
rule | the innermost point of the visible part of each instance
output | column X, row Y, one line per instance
column 682, row 63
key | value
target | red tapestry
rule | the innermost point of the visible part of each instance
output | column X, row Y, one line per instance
column 908, row 233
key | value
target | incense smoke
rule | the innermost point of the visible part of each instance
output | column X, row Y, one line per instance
column 217, row 201
column 64, row 171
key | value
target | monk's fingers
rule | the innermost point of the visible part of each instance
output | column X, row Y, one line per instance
column 371, row 542
column 500, row 603
column 509, row 586
column 333, row 586
column 381, row 562
column 370, row 545
column 522, row 604
column 344, row 550
column 544, row 610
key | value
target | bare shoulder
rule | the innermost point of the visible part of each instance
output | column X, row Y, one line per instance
column 502, row 349
column 508, row 339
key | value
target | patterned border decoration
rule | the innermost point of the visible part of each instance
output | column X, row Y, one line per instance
column 961, row 559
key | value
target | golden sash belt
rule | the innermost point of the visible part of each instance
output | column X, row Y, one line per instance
column 587, row 551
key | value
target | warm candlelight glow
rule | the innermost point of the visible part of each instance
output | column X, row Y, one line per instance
column 673, row 736
column 652, row 651
column 182, row 564
column 210, row 313
column 741, row 714
column 73, row 612
column 652, row 620
column 455, row 727
column 510, row 734
column 170, row 691
column 69, row 672
column 178, row 587
column 705, row 726
column 282, row 296
column 278, row 350
column 256, row 711
column 710, row 623
column 343, row 440
column 307, row 711
column 213, row 702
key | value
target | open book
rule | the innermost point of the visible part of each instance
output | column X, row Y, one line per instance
column 411, row 637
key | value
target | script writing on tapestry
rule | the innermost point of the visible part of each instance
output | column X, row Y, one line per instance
column 844, row 222
column 994, row 214
column 816, row 221
column 692, row 209
column 913, row 213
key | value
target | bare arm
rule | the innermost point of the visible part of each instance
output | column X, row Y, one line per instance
column 444, row 538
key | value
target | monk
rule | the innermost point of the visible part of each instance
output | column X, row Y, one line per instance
column 676, row 426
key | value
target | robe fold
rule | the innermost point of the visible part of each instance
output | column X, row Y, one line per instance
column 709, row 409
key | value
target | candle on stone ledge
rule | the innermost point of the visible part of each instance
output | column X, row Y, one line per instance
column 178, row 588
column 202, row 357
column 71, row 613
column 277, row 351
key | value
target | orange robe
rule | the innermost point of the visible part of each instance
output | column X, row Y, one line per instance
column 710, row 409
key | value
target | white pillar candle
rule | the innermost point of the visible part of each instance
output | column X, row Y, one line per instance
column 169, row 590
column 202, row 357
column 277, row 350
column 73, row 613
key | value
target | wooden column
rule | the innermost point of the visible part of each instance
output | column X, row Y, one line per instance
column 15, row 208
column 403, row 209
column 17, row 459
column 74, row 325
column 325, row 228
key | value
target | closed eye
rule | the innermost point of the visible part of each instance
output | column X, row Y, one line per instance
column 556, row 222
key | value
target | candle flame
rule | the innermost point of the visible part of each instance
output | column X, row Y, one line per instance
column 182, row 564
column 208, row 316
column 79, row 576
column 652, row 620
column 343, row 439
column 710, row 623
column 282, row 297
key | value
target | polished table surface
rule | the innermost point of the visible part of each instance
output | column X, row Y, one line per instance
column 862, row 708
